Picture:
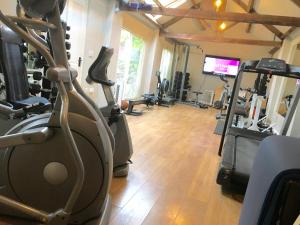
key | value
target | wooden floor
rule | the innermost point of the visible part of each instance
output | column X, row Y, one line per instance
column 172, row 180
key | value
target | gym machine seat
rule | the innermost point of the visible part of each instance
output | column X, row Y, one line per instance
column 273, row 193
column 239, row 146
column 14, row 70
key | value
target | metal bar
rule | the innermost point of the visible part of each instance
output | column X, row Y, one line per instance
column 173, row 69
column 35, row 213
column 187, row 54
column 96, row 108
column 60, row 57
column 290, row 115
column 38, row 38
column 36, row 44
column 72, row 148
column 232, row 104
column 9, row 111
column 33, row 23
column 29, row 137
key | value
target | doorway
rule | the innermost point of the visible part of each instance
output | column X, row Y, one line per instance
column 130, row 65
column 75, row 15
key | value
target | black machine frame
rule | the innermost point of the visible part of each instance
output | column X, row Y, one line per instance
column 231, row 178
column 250, row 67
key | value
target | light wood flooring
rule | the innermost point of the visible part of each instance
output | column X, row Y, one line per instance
column 172, row 180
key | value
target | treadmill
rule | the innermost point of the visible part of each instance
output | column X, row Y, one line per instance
column 238, row 146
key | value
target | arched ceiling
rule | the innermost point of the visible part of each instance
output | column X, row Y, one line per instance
column 192, row 29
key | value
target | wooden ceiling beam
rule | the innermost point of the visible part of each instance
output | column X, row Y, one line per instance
column 230, row 26
column 177, row 19
column 217, row 39
column 274, row 50
column 285, row 35
column 154, row 23
column 250, row 5
column 158, row 3
column 289, row 32
column 201, row 23
column 224, row 16
column 249, row 10
column 271, row 28
column 171, row 22
column 297, row 2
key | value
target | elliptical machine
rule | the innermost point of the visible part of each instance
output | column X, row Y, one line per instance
column 113, row 114
column 56, row 168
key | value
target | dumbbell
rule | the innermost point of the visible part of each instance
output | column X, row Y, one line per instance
column 24, row 48
column 68, row 45
column 37, row 76
column 35, row 89
column 40, row 62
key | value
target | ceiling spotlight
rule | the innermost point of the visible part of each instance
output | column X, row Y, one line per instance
column 223, row 26
column 218, row 4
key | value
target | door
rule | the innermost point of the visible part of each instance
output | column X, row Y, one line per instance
column 76, row 17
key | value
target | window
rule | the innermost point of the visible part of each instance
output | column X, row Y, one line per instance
column 130, row 65
column 165, row 64
column 165, row 3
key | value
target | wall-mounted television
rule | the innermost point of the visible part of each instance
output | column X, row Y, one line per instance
column 216, row 65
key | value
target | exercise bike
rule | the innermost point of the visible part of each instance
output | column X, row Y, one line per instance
column 56, row 168
column 113, row 114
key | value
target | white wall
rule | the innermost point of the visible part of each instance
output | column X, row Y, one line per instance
column 97, row 34
column 199, row 81
column 8, row 7
column 287, row 53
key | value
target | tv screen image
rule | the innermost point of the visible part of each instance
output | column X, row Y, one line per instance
column 221, row 65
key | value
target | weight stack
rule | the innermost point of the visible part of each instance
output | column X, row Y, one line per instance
column 177, row 85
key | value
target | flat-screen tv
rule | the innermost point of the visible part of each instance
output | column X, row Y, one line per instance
column 216, row 65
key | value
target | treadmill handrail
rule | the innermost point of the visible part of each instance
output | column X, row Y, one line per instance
column 250, row 67
column 229, row 110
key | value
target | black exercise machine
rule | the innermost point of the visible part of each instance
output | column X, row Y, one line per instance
column 239, row 146
column 159, row 99
column 163, row 87
column 148, row 100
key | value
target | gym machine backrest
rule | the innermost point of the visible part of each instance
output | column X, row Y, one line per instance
column 12, row 65
column 14, row 71
column 273, row 193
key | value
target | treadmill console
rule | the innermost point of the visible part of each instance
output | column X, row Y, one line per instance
column 272, row 65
